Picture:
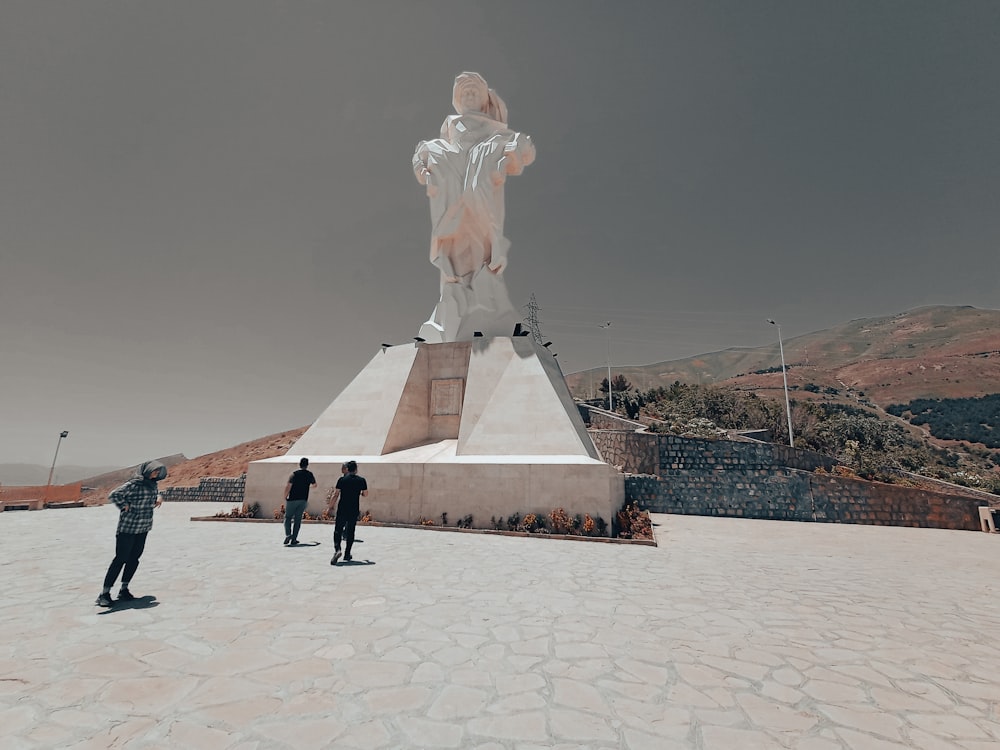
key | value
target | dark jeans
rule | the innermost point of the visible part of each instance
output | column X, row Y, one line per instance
column 128, row 550
column 293, row 517
column 344, row 527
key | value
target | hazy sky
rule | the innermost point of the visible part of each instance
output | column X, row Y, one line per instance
column 209, row 223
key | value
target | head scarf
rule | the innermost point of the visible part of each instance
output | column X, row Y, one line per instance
column 145, row 470
column 495, row 107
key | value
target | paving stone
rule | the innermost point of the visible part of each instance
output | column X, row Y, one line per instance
column 834, row 692
column 726, row 738
column 864, row 719
column 456, row 701
column 579, row 726
column 396, row 700
column 526, row 726
column 731, row 634
column 947, row 725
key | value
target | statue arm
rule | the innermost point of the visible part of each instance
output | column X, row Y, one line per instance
column 421, row 155
column 517, row 154
column 420, row 169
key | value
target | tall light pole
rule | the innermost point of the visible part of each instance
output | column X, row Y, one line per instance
column 64, row 433
column 611, row 398
column 784, row 378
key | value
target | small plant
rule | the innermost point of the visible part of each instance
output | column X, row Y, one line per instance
column 561, row 522
column 465, row 522
column 366, row 518
column 444, row 519
column 514, row 522
column 240, row 512
column 280, row 512
column 589, row 527
column 496, row 523
column 530, row 522
column 425, row 521
column 634, row 523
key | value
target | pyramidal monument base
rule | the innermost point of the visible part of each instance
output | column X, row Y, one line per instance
column 485, row 428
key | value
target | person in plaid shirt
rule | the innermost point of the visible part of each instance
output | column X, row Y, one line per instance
column 136, row 500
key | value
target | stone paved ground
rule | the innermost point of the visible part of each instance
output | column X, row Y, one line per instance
column 731, row 634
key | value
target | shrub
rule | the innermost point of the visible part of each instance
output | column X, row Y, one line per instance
column 530, row 522
column 634, row 523
column 240, row 512
column 561, row 522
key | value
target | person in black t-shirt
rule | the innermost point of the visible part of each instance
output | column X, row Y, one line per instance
column 296, row 497
column 350, row 489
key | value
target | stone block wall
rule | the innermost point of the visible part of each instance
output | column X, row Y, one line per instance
column 748, row 479
column 653, row 453
column 209, row 489
column 688, row 454
column 849, row 500
column 629, row 450
column 796, row 495
column 602, row 419
column 779, row 494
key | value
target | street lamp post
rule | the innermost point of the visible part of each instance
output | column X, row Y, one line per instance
column 64, row 433
column 611, row 398
column 784, row 379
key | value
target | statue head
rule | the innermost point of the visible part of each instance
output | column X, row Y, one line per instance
column 472, row 94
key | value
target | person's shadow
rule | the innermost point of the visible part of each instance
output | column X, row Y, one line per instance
column 303, row 544
column 140, row 602
column 355, row 562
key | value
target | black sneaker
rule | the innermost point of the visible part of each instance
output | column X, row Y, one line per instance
column 105, row 600
column 294, row 543
column 287, row 539
column 126, row 596
column 336, row 556
column 347, row 558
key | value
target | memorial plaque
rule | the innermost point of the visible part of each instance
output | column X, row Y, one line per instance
column 446, row 397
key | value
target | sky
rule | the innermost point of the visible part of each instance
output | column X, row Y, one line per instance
column 209, row 221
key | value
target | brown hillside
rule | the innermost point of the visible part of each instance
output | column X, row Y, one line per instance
column 231, row 462
column 930, row 352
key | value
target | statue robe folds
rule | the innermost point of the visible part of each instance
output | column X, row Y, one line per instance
column 464, row 171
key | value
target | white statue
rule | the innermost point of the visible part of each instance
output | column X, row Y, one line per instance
column 464, row 171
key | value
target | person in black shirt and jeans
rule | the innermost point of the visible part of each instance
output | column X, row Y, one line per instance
column 350, row 489
column 296, row 497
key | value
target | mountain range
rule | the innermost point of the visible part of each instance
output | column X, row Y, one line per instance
column 928, row 352
column 28, row 475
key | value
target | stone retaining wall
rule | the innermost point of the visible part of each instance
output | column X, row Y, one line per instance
column 674, row 474
column 209, row 489
column 795, row 495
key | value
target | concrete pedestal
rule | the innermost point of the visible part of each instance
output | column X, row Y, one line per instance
column 484, row 427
